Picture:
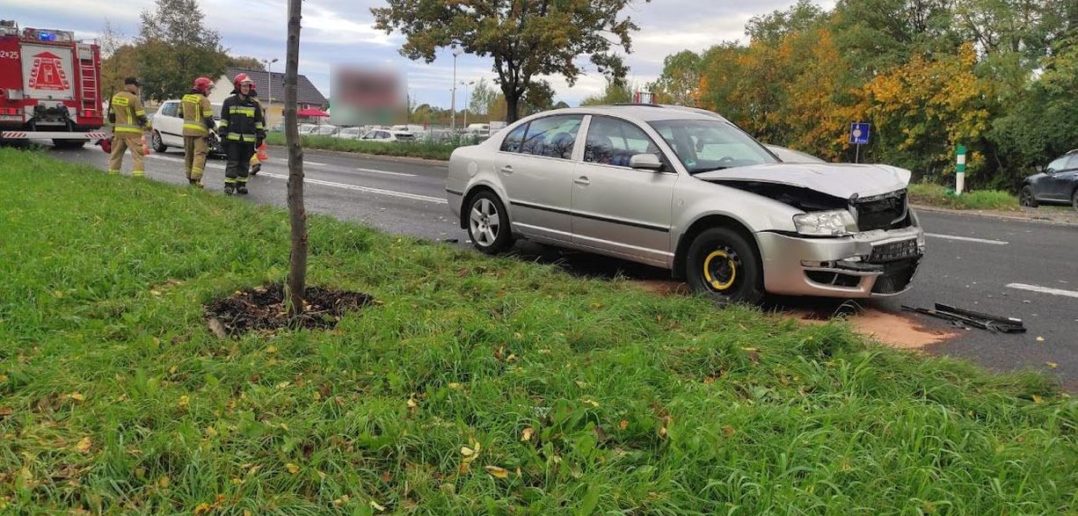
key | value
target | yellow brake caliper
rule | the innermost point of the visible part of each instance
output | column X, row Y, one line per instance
column 715, row 282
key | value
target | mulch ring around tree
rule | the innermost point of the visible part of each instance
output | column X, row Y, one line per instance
column 263, row 309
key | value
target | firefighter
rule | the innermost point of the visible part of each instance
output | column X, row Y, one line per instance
column 197, row 124
column 128, row 119
column 241, row 130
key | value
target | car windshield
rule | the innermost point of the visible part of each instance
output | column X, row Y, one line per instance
column 705, row 145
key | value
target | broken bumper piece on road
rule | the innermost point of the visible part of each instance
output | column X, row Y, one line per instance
column 868, row 264
column 969, row 318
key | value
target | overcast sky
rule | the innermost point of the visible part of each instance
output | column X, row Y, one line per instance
column 341, row 32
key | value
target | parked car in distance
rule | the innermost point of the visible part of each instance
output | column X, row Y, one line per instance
column 324, row 130
column 306, row 128
column 1057, row 183
column 409, row 128
column 168, row 128
column 386, row 135
column 349, row 133
column 691, row 192
column 787, row 155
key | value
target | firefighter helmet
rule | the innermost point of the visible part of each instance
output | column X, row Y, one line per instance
column 242, row 78
column 203, row 84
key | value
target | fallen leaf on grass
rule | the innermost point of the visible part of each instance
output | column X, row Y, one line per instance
column 623, row 424
column 292, row 468
column 6, row 411
column 377, row 507
column 84, row 445
column 526, row 435
column 1037, row 399
column 163, row 482
column 1040, row 339
column 184, row 402
column 1051, row 365
column 77, row 396
column 728, row 431
column 497, row 472
column 202, row 508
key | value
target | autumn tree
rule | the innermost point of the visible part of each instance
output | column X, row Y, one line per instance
column 526, row 40
column 615, row 92
column 174, row 46
column 247, row 63
column 680, row 79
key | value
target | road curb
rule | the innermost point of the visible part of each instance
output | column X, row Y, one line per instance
column 994, row 215
column 384, row 157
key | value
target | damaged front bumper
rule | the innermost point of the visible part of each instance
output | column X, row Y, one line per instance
column 868, row 264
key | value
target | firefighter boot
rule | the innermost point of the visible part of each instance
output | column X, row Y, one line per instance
column 241, row 188
column 196, row 183
column 230, row 188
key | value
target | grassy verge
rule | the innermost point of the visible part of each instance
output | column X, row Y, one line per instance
column 428, row 150
column 941, row 196
column 476, row 385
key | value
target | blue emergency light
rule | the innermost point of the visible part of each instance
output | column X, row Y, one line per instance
column 46, row 36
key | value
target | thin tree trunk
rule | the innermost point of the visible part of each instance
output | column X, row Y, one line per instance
column 512, row 108
column 297, row 267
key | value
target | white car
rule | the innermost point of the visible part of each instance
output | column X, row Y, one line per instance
column 690, row 192
column 385, row 135
column 323, row 130
column 168, row 127
column 349, row 133
column 306, row 128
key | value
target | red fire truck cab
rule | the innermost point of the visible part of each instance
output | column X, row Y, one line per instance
column 49, row 86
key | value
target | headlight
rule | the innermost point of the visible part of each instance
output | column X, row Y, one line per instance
column 825, row 223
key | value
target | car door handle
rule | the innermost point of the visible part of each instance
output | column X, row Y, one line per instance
column 582, row 180
column 508, row 169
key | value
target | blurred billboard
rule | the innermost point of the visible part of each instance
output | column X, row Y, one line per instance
column 366, row 95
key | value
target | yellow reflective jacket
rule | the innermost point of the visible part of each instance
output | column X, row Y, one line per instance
column 127, row 114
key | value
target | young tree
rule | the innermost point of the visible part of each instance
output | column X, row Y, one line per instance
column 616, row 92
column 297, row 264
column 483, row 98
column 526, row 39
column 174, row 47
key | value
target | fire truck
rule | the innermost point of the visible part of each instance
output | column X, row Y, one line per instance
column 49, row 86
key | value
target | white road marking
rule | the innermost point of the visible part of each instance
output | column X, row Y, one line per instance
column 315, row 163
column 375, row 171
column 180, row 160
column 1044, row 290
column 365, row 189
column 967, row 239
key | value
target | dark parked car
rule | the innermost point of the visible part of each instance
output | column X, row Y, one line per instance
column 1057, row 184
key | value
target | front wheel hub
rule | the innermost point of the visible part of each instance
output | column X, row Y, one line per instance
column 721, row 270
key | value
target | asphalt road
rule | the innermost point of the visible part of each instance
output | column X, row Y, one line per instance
column 1027, row 270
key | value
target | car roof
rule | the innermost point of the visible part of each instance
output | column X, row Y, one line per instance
column 639, row 112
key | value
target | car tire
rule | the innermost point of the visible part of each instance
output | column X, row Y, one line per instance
column 1026, row 198
column 488, row 223
column 157, row 143
column 723, row 265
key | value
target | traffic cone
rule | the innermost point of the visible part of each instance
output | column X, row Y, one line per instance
column 262, row 154
column 145, row 148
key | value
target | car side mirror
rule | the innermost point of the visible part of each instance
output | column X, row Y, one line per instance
column 645, row 162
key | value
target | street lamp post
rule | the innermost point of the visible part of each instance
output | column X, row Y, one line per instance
column 453, row 123
column 269, row 85
column 466, row 100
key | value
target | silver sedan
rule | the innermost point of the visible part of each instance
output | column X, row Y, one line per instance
column 687, row 190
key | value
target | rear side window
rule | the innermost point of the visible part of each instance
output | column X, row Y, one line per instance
column 515, row 138
column 552, row 136
column 1073, row 163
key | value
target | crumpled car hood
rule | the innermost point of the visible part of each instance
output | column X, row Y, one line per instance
column 843, row 180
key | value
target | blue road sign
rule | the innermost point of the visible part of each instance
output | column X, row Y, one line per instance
column 859, row 133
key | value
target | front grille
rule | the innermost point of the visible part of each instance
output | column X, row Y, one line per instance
column 894, row 251
column 888, row 211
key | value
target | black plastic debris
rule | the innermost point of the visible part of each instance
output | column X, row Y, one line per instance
column 969, row 318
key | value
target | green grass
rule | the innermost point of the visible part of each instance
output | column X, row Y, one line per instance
column 428, row 150
column 936, row 195
column 115, row 398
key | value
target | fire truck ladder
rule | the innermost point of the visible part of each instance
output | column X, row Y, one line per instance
column 91, row 105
